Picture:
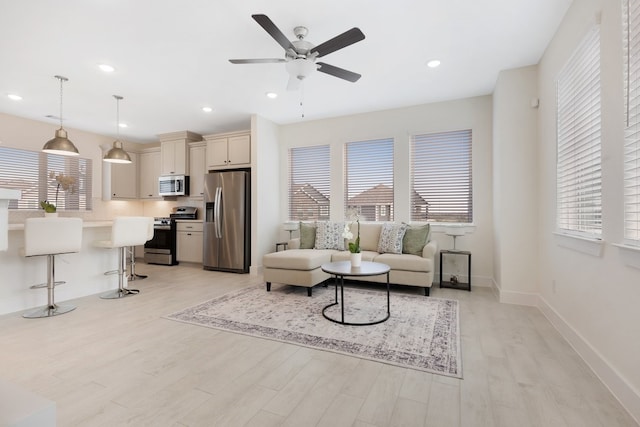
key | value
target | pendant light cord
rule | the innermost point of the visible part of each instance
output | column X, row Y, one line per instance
column 118, row 98
column 62, row 80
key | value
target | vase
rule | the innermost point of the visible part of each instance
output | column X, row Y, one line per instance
column 356, row 259
column 51, row 214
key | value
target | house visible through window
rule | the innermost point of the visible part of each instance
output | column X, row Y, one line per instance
column 42, row 176
column 369, row 179
column 631, row 22
column 309, row 183
column 578, row 170
column 441, row 177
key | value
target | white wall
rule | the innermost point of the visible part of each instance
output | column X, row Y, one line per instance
column 515, row 188
column 400, row 124
column 593, row 300
column 265, row 193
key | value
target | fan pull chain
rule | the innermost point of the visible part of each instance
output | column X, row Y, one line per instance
column 302, row 98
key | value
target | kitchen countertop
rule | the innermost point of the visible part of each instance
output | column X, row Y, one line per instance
column 85, row 224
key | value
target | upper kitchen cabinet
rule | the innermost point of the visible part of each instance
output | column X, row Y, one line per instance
column 174, row 152
column 149, row 174
column 124, row 178
column 197, row 168
column 228, row 151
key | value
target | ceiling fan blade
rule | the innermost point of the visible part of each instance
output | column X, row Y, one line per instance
column 338, row 72
column 345, row 39
column 257, row 61
column 270, row 27
column 294, row 83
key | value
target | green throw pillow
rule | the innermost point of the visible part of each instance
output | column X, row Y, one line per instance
column 307, row 235
column 415, row 238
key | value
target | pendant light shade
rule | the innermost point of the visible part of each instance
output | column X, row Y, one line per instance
column 60, row 144
column 117, row 153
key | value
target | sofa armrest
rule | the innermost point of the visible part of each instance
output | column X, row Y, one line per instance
column 430, row 249
column 293, row 244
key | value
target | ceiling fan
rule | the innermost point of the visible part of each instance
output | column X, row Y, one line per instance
column 300, row 55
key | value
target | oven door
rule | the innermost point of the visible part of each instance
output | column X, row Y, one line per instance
column 161, row 248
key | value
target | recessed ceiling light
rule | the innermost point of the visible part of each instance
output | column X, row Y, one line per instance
column 14, row 96
column 207, row 109
column 106, row 68
column 123, row 125
column 271, row 95
column 433, row 63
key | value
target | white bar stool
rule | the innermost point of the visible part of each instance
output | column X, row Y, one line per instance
column 51, row 237
column 126, row 231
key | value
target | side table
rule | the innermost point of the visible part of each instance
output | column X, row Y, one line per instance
column 453, row 284
column 283, row 244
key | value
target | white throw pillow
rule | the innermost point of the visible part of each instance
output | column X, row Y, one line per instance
column 391, row 238
column 329, row 235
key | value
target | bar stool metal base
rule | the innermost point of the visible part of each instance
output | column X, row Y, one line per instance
column 132, row 266
column 120, row 293
column 48, row 311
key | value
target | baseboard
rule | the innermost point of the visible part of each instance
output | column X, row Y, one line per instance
column 517, row 298
column 619, row 387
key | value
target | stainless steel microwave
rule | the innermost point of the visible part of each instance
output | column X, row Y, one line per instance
column 173, row 185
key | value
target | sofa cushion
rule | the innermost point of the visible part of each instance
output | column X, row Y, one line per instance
column 369, row 236
column 329, row 235
column 307, row 235
column 391, row 238
column 415, row 237
column 346, row 256
column 405, row 262
column 297, row 259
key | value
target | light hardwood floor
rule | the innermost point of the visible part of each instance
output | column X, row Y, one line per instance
column 118, row 362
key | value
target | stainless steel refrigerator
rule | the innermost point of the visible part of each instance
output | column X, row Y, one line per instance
column 227, row 220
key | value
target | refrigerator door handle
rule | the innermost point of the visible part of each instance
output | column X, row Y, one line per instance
column 217, row 212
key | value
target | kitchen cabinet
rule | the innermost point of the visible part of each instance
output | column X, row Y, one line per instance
column 228, row 152
column 149, row 174
column 173, row 157
column 197, row 169
column 124, row 179
column 189, row 241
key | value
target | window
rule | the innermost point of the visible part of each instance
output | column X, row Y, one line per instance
column 578, row 172
column 631, row 22
column 369, row 179
column 441, row 183
column 309, row 183
column 34, row 173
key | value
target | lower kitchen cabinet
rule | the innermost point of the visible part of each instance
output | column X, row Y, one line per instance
column 189, row 241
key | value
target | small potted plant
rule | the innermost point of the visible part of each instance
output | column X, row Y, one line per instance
column 354, row 247
column 49, row 208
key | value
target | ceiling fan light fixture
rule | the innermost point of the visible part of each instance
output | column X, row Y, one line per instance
column 301, row 68
column 60, row 144
column 117, row 153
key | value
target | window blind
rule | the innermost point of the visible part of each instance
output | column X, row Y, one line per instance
column 309, row 183
column 631, row 35
column 369, row 179
column 578, row 168
column 441, row 177
column 34, row 173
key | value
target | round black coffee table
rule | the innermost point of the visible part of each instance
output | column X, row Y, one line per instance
column 341, row 269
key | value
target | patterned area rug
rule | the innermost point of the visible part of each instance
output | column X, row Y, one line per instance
column 422, row 333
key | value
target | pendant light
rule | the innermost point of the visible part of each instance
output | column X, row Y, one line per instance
column 117, row 153
column 60, row 144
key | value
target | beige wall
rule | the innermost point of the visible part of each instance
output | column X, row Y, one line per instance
column 592, row 299
column 400, row 124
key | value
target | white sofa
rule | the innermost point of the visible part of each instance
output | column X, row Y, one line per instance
column 301, row 267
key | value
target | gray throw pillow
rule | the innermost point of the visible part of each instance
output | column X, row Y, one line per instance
column 391, row 237
column 415, row 238
column 307, row 235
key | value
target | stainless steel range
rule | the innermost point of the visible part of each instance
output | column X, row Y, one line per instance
column 161, row 249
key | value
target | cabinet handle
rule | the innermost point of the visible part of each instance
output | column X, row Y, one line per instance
column 188, row 234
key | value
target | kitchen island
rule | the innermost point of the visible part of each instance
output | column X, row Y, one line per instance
column 83, row 272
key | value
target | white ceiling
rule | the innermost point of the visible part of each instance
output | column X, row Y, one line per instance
column 171, row 58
